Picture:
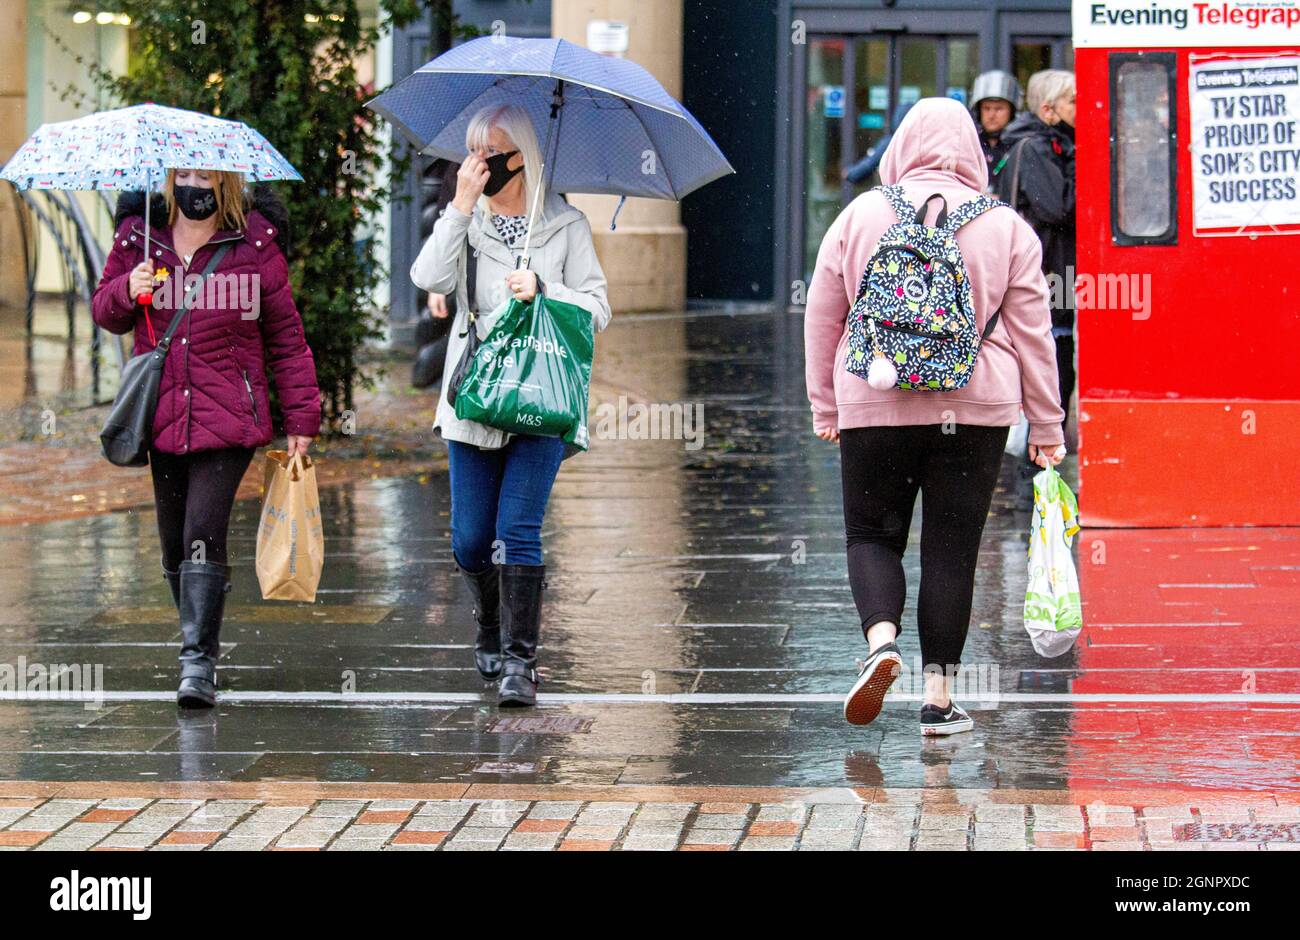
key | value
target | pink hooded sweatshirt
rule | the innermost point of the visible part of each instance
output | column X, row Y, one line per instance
column 937, row 150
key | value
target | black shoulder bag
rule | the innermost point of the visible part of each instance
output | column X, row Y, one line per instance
column 128, row 430
column 471, row 316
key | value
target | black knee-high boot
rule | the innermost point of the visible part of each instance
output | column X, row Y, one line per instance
column 485, row 586
column 521, row 616
column 202, row 602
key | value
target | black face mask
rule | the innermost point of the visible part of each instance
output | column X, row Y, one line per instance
column 498, row 174
column 195, row 202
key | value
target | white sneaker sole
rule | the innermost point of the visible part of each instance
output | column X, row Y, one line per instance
column 867, row 697
column 950, row 727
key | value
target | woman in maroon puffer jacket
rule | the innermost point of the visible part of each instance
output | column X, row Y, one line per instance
column 213, row 406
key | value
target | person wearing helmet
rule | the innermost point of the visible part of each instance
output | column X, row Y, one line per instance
column 995, row 97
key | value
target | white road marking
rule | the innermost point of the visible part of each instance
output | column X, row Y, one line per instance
column 669, row 698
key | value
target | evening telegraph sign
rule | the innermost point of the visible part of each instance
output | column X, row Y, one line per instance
column 1156, row 24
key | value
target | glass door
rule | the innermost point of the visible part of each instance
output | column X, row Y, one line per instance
column 825, row 108
column 873, row 99
column 1030, row 54
column 853, row 87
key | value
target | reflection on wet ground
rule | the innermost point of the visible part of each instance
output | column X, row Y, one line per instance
column 699, row 629
column 52, row 363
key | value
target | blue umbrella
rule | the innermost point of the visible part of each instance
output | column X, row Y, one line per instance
column 132, row 148
column 608, row 125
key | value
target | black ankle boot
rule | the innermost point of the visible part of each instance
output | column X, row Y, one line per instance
column 521, row 615
column 202, row 599
column 173, row 582
column 485, row 586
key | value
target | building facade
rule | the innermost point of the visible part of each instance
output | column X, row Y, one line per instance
column 843, row 67
column 794, row 91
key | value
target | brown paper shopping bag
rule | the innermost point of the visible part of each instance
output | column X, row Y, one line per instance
column 290, row 539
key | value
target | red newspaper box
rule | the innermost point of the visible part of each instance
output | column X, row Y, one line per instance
column 1188, row 287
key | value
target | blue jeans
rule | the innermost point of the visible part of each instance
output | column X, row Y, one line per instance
column 499, row 496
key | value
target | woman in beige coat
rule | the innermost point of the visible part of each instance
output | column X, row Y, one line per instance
column 500, row 482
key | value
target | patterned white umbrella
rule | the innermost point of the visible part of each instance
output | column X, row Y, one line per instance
column 132, row 149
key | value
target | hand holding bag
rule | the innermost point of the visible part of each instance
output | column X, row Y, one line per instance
column 290, row 538
column 532, row 373
column 128, row 430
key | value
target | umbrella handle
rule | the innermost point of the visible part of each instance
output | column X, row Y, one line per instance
column 146, row 297
column 532, row 216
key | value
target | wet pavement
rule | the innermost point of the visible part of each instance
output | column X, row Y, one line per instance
column 698, row 633
column 52, row 363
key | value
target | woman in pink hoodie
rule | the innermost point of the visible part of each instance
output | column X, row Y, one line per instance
column 946, row 444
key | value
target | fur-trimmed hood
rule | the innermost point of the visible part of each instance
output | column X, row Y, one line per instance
column 264, row 200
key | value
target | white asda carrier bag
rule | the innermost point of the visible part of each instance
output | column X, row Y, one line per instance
column 1018, row 438
column 1053, row 614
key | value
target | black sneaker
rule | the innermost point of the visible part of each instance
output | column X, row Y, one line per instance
column 950, row 720
column 877, row 674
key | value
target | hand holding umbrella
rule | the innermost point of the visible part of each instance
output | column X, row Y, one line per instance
column 140, row 285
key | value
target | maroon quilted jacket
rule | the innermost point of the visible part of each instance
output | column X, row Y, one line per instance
column 214, row 383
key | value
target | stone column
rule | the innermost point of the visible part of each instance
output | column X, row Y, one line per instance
column 645, row 257
column 13, row 131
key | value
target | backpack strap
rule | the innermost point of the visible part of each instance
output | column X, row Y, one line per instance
column 1017, row 156
column 471, row 276
column 902, row 208
column 989, row 327
column 941, row 218
column 969, row 210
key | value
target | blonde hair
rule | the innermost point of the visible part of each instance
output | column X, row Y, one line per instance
column 227, row 188
column 513, row 121
column 1047, row 87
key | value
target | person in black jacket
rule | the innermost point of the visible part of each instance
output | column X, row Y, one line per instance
column 1037, row 177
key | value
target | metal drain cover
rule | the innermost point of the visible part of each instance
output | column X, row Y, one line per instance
column 541, row 724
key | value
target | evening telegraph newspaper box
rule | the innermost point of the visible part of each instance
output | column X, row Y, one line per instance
column 1188, row 288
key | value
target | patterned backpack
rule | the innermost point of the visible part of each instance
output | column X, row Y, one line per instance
column 912, row 324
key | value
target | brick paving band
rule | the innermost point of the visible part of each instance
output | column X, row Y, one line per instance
column 283, row 816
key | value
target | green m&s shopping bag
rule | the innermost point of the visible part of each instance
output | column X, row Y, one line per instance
column 1053, row 614
column 532, row 373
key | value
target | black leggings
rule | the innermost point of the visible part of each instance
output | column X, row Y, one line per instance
column 883, row 467
column 193, row 494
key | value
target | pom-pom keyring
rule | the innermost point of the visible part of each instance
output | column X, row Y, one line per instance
column 881, row 375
